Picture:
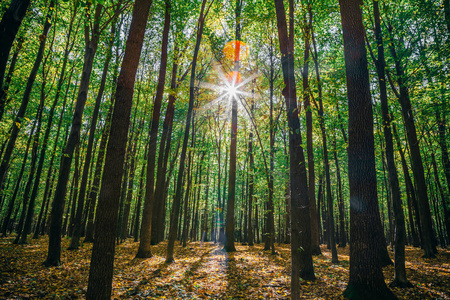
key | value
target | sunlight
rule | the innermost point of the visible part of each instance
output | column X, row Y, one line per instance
column 232, row 91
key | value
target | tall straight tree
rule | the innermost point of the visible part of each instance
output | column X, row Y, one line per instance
column 26, row 98
column 177, row 198
column 301, row 258
column 102, row 260
column 315, row 244
column 144, row 250
column 91, row 43
column 400, row 232
column 9, row 26
column 229, row 231
column 77, row 229
column 416, row 159
column 364, row 254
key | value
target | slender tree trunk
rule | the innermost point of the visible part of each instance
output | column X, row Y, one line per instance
column 26, row 193
column 342, row 233
column 34, row 152
column 330, row 220
column 315, row 248
column 17, row 124
column 187, row 197
column 102, row 260
column 177, row 199
column 446, row 164
column 416, row 160
column 410, row 192
column 4, row 99
column 364, row 213
column 9, row 26
column 400, row 232
column 144, row 250
column 54, row 247
column 7, row 219
column 158, row 218
column 50, row 172
column 301, row 257
column 140, row 195
column 77, row 230
column 250, row 235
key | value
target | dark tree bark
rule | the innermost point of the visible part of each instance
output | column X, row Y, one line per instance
column 158, row 218
column 364, row 215
column 26, row 97
column 331, row 241
column 446, row 164
column 315, row 247
column 102, row 260
column 342, row 232
column 250, row 234
column 139, row 196
column 410, row 193
column 9, row 211
column 4, row 99
column 40, row 226
column 77, row 225
column 144, row 250
column 177, row 199
column 302, row 266
column 54, row 247
column 9, row 26
column 400, row 232
column 416, row 159
column 34, row 156
column 229, row 230
column 186, row 210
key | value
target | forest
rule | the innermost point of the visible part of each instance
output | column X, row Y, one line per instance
column 214, row 149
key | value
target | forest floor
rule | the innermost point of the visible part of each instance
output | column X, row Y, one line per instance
column 200, row 271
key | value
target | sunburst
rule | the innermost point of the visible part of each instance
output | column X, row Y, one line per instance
column 232, row 87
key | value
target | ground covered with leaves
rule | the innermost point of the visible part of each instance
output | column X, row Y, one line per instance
column 200, row 271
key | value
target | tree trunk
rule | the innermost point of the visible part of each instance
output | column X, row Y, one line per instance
column 400, row 233
column 17, row 124
column 177, row 199
column 446, row 164
column 364, row 214
column 158, row 219
column 144, row 250
column 50, row 172
column 416, row 160
column 75, row 241
column 7, row 219
column 301, row 258
column 9, row 26
column 4, row 99
column 54, row 247
column 315, row 247
column 250, row 234
column 102, row 260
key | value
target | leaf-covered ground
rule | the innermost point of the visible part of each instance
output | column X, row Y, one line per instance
column 201, row 271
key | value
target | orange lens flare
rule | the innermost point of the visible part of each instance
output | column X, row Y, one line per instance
column 236, row 50
column 234, row 78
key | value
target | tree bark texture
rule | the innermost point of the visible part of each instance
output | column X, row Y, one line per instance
column 302, row 266
column 102, row 260
column 364, row 215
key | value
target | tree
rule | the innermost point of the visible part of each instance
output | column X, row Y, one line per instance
column 102, row 260
column 177, row 198
column 9, row 26
column 364, row 254
column 302, row 266
column 144, row 250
